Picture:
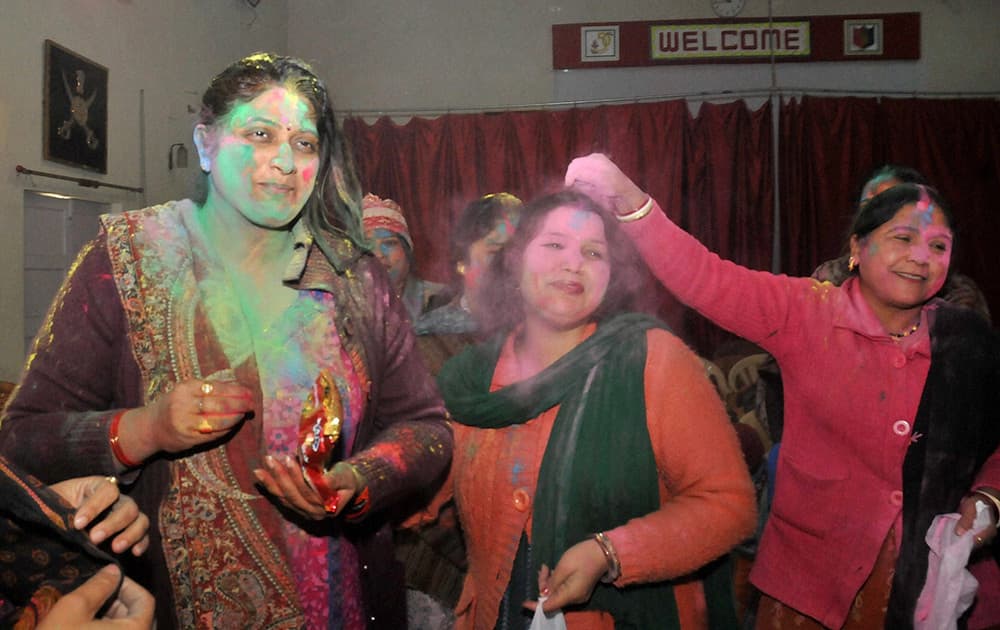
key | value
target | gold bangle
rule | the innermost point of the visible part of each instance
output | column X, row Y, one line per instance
column 614, row 566
column 994, row 501
column 643, row 210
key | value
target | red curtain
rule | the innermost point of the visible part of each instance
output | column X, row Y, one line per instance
column 712, row 172
column 829, row 146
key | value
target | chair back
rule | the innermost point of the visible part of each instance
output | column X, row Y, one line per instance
column 744, row 372
column 718, row 378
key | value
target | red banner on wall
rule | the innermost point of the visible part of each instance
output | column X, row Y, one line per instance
column 886, row 36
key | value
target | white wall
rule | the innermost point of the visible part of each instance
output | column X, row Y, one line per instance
column 169, row 50
column 436, row 54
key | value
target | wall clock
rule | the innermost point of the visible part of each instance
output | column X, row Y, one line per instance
column 727, row 8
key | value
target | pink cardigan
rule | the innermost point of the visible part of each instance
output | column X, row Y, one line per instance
column 707, row 502
column 851, row 396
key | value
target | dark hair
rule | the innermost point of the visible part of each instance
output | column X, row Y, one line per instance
column 334, row 205
column 901, row 174
column 477, row 220
column 500, row 298
column 884, row 206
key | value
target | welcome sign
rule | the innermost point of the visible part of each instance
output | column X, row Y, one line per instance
column 708, row 41
column 887, row 36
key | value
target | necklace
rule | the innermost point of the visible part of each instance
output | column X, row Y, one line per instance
column 907, row 333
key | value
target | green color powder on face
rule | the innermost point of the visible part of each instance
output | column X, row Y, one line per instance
column 264, row 157
column 266, row 154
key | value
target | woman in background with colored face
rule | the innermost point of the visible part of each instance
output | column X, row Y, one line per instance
column 391, row 251
column 228, row 355
column 578, row 417
column 434, row 555
column 483, row 228
column 389, row 237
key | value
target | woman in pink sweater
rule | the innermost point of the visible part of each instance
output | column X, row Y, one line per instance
column 891, row 399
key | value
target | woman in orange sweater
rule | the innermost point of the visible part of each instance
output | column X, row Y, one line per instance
column 588, row 441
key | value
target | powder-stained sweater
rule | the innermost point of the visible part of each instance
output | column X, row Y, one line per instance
column 707, row 501
column 851, row 400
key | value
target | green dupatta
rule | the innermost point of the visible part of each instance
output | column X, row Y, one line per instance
column 598, row 470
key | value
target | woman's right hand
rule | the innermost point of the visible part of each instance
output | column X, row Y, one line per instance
column 598, row 177
column 133, row 608
column 192, row 413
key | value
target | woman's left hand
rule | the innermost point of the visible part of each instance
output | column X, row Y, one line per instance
column 575, row 576
column 284, row 480
column 91, row 496
column 967, row 510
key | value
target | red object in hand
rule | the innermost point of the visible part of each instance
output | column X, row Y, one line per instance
column 319, row 430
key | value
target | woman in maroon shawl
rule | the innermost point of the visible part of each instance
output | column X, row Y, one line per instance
column 204, row 350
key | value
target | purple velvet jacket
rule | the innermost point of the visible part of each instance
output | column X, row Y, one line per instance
column 85, row 366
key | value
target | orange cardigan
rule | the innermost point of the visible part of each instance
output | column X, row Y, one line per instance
column 707, row 500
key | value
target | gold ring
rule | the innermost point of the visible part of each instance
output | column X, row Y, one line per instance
column 205, row 427
column 207, row 388
column 112, row 480
column 979, row 540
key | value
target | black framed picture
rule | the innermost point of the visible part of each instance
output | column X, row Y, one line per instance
column 75, row 106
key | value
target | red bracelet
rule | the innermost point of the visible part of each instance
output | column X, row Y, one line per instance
column 116, row 447
column 359, row 505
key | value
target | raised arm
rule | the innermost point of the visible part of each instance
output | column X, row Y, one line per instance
column 752, row 304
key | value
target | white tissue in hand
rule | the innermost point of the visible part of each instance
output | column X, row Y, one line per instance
column 950, row 588
column 551, row 621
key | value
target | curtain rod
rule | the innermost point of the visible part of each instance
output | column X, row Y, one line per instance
column 723, row 95
column 86, row 183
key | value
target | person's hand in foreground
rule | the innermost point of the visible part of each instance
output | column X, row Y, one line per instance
column 132, row 608
column 92, row 497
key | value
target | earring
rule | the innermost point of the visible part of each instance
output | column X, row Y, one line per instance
column 460, row 268
column 851, row 264
column 205, row 166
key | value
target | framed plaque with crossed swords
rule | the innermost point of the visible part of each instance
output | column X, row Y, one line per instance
column 75, row 106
